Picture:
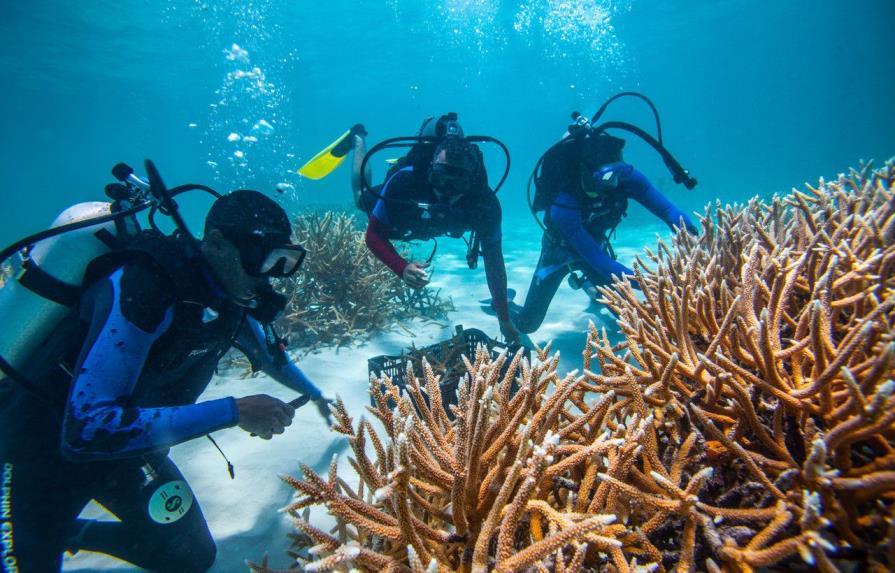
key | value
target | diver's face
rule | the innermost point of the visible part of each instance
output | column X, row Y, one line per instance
column 449, row 182
column 226, row 262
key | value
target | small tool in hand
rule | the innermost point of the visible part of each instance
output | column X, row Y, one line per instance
column 297, row 403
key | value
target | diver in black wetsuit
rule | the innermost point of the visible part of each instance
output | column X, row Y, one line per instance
column 144, row 344
column 437, row 191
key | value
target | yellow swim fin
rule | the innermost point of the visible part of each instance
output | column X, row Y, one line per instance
column 332, row 156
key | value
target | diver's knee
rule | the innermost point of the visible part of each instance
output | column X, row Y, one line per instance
column 202, row 555
column 188, row 554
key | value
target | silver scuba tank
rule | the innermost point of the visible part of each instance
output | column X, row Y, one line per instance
column 447, row 125
column 28, row 317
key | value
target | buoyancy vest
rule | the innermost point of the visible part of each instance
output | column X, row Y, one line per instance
column 569, row 168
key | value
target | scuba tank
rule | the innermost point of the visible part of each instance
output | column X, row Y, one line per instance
column 447, row 125
column 49, row 280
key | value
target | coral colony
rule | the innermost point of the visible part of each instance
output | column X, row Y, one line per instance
column 746, row 422
column 344, row 293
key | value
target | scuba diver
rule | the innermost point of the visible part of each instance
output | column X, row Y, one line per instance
column 90, row 411
column 583, row 186
column 439, row 188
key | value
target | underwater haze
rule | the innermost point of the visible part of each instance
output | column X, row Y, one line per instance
column 755, row 97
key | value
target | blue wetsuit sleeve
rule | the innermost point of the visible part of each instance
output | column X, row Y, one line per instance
column 101, row 420
column 641, row 190
column 380, row 209
column 251, row 341
column 566, row 217
column 380, row 212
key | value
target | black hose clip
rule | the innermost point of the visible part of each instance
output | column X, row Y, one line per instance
column 683, row 176
column 117, row 192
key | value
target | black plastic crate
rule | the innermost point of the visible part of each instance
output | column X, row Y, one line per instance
column 465, row 341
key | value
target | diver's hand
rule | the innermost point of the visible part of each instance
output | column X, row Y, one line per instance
column 510, row 332
column 686, row 224
column 264, row 415
column 415, row 276
column 323, row 409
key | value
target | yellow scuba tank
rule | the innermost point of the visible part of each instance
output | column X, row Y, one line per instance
column 54, row 268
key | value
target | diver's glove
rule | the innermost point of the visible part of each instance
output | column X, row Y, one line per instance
column 685, row 223
column 510, row 332
column 323, row 409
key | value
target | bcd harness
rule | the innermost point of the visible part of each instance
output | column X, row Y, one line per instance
column 601, row 154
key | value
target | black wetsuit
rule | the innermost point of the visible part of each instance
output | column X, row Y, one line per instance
column 143, row 345
column 410, row 211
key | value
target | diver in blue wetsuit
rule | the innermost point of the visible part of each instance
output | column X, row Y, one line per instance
column 120, row 380
column 584, row 188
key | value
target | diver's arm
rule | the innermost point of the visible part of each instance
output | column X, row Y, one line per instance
column 357, row 160
column 496, row 275
column 252, row 342
column 565, row 216
column 641, row 190
column 492, row 251
column 100, row 421
column 378, row 227
column 377, row 241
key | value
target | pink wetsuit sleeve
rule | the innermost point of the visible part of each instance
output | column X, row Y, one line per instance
column 378, row 243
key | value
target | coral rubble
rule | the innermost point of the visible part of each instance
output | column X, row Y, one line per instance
column 747, row 421
column 343, row 293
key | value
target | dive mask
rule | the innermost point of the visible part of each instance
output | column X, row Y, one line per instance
column 266, row 257
column 449, row 179
column 606, row 177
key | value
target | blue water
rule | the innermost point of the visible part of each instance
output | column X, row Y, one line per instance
column 755, row 98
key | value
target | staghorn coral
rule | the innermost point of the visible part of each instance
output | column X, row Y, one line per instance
column 462, row 495
column 771, row 335
column 746, row 422
column 343, row 293
column 514, row 483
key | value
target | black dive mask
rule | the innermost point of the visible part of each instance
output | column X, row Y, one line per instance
column 267, row 256
column 449, row 179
